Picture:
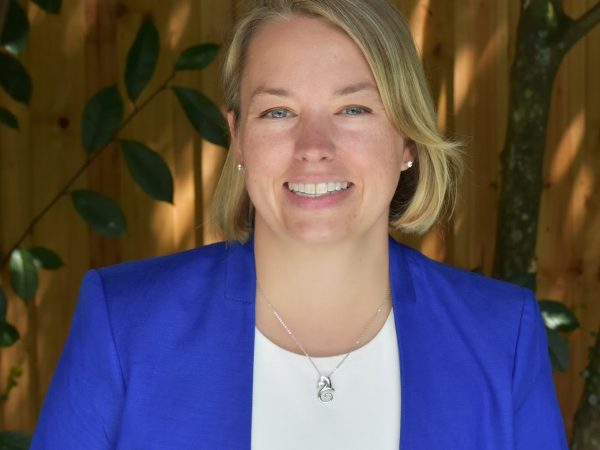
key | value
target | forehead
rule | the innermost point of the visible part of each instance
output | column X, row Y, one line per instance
column 303, row 48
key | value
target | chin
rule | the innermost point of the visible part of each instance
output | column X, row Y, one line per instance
column 316, row 234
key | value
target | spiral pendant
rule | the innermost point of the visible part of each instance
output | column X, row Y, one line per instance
column 325, row 389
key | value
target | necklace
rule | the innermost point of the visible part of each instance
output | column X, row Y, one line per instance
column 325, row 388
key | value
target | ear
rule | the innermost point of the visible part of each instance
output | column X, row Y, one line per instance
column 233, row 132
column 409, row 154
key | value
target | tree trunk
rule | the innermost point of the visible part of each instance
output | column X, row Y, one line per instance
column 586, row 435
column 545, row 34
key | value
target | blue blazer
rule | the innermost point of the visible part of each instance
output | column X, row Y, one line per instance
column 160, row 356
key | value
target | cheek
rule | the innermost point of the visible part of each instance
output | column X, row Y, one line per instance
column 262, row 150
column 391, row 151
column 379, row 155
column 265, row 161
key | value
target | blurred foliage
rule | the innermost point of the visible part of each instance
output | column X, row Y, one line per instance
column 558, row 321
column 14, row 441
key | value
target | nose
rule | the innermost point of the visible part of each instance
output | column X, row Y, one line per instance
column 314, row 141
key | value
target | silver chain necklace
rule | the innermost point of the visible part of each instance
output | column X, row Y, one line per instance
column 326, row 390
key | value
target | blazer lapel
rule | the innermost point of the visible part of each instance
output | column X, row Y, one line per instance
column 425, row 409
column 404, row 299
column 239, row 289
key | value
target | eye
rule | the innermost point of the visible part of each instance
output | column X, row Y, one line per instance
column 276, row 113
column 355, row 110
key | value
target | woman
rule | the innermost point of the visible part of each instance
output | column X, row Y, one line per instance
column 311, row 329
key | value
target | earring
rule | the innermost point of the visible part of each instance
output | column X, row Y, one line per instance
column 409, row 164
column 240, row 167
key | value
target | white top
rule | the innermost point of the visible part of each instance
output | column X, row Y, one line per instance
column 365, row 411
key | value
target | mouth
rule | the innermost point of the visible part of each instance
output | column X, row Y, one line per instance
column 316, row 190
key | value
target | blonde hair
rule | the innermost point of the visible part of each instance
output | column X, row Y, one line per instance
column 427, row 190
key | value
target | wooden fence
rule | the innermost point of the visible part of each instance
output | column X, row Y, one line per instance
column 467, row 49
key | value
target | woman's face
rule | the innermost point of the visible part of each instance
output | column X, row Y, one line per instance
column 322, row 158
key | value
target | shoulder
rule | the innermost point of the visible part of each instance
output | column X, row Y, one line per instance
column 465, row 300
column 199, row 269
column 431, row 275
column 151, row 289
column 152, row 304
column 168, row 269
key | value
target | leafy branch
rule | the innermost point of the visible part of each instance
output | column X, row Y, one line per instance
column 103, row 121
column 88, row 161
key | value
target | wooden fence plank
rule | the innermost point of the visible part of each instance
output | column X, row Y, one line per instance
column 212, row 157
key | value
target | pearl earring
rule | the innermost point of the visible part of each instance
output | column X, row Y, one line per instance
column 409, row 164
column 240, row 167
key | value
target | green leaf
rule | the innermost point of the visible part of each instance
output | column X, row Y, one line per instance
column 197, row 57
column 50, row 6
column 149, row 170
column 141, row 60
column 8, row 118
column 526, row 280
column 557, row 316
column 3, row 305
column 204, row 115
column 8, row 336
column 7, row 438
column 101, row 213
column 16, row 28
column 14, row 78
column 558, row 347
column 14, row 441
column 23, row 274
column 101, row 118
column 45, row 258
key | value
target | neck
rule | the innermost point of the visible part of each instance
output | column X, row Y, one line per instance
column 335, row 280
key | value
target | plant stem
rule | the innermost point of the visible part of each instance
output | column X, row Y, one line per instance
column 89, row 160
column 581, row 26
column 3, row 12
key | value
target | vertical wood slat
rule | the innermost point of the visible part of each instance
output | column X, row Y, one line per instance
column 467, row 51
column 432, row 26
column 101, row 71
column 568, row 248
column 186, row 163
column 212, row 157
column 63, row 132
column 16, row 201
column 480, row 94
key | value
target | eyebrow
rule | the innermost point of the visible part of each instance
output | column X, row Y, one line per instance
column 346, row 90
column 266, row 91
column 356, row 87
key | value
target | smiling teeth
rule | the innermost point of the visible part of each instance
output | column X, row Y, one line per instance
column 318, row 189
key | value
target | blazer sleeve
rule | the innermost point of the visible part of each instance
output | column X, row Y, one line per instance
column 538, row 422
column 83, row 404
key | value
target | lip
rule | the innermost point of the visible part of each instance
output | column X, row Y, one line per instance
column 313, row 203
column 316, row 179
